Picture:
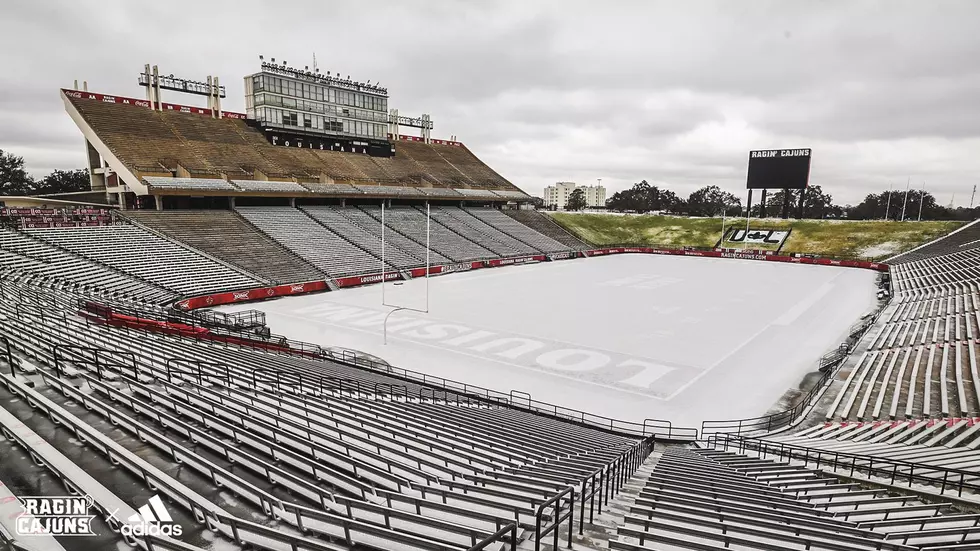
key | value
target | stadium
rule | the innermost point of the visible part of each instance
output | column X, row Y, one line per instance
column 298, row 328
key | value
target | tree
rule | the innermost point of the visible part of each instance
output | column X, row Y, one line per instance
column 63, row 181
column 538, row 202
column 13, row 178
column 576, row 200
column 643, row 197
column 711, row 200
column 816, row 204
column 874, row 206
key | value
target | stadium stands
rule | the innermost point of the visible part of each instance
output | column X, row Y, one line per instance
column 367, row 460
column 517, row 230
column 921, row 361
column 226, row 236
column 209, row 184
column 153, row 142
column 153, row 258
column 329, row 252
column 333, row 218
column 371, row 224
column 544, row 225
column 43, row 263
column 412, row 224
column 965, row 237
column 716, row 499
column 477, row 231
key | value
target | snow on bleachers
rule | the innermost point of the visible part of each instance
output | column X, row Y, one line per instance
column 714, row 499
column 477, row 193
column 211, row 184
column 333, row 218
column 319, row 246
column 42, row 260
column 412, row 473
column 153, row 258
column 263, row 185
column 412, row 224
column 517, row 230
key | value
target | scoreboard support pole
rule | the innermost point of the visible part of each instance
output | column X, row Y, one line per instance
column 748, row 204
column 799, row 208
column 762, row 204
column 785, row 203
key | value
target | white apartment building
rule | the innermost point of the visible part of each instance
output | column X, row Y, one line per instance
column 557, row 195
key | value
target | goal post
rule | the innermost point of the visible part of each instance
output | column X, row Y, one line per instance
column 384, row 266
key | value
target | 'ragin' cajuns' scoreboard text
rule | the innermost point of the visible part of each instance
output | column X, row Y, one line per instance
column 778, row 169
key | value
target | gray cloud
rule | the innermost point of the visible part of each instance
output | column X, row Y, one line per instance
column 672, row 92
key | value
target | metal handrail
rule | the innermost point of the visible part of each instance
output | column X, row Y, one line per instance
column 893, row 469
column 498, row 536
column 557, row 518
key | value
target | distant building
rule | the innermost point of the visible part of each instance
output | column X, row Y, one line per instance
column 557, row 195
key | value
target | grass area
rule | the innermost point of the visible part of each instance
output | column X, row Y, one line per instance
column 834, row 238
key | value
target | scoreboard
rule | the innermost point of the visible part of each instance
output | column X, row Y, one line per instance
column 778, row 169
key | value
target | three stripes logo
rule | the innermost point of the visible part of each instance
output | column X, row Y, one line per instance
column 152, row 519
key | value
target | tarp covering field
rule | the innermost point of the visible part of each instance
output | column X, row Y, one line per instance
column 630, row 336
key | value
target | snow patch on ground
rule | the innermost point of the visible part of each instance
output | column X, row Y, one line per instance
column 881, row 249
column 630, row 337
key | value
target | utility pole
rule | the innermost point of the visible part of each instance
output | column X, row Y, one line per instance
column 922, row 199
column 974, row 194
column 906, row 201
column 888, row 203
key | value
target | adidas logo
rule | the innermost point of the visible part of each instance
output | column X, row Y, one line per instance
column 152, row 519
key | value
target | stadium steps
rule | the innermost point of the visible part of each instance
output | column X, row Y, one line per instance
column 225, row 235
column 193, row 146
column 545, row 225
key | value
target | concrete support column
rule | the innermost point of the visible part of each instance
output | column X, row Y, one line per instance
column 343, row 202
column 159, row 201
column 231, row 202
column 122, row 200
column 292, row 202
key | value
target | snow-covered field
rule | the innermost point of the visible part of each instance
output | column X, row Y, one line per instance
column 628, row 336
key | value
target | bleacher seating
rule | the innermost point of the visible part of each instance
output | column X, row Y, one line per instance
column 210, row 184
column 334, row 220
column 412, row 224
column 329, row 252
column 386, row 191
column 921, row 358
column 152, row 258
column 716, row 499
column 517, row 230
column 262, row 185
column 544, row 225
column 965, row 237
column 368, row 460
column 372, row 224
column 153, row 141
column 476, row 230
column 41, row 262
column 226, row 236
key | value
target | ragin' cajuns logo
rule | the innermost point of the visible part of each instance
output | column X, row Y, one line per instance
column 460, row 267
column 241, row 295
column 297, row 288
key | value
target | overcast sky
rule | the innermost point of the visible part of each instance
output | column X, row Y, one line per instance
column 672, row 92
